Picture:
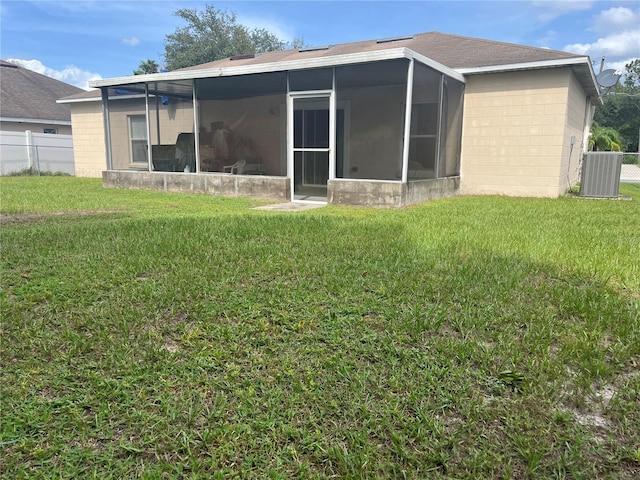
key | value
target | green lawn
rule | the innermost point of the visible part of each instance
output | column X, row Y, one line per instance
column 155, row 335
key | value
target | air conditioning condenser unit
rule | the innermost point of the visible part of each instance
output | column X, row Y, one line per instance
column 601, row 174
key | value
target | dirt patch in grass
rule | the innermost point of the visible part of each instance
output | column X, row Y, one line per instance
column 25, row 218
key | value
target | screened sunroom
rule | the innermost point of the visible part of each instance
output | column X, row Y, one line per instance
column 372, row 128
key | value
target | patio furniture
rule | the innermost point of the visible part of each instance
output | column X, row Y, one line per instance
column 179, row 157
column 238, row 166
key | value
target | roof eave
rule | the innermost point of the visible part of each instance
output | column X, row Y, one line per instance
column 302, row 64
column 36, row 120
column 64, row 101
column 437, row 66
column 587, row 78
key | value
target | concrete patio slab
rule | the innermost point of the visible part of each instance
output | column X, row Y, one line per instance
column 291, row 206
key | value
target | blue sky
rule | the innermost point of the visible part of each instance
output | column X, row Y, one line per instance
column 79, row 40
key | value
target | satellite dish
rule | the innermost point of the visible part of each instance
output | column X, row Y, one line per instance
column 608, row 78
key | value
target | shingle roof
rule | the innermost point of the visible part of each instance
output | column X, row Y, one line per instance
column 461, row 55
column 26, row 94
column 84, row 95
column 453, row 51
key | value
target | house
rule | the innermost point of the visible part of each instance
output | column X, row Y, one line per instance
column 29, row 99
column 35, row 131
column 387, row 122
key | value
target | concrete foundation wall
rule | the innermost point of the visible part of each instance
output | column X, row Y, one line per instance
column 425, row 190
column 226, row 185
column 369, row 193
column 389, row 194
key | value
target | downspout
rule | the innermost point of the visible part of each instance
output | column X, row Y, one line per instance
column 573, row 141
column 586, row 132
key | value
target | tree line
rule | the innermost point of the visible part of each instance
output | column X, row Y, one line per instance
column 617, row 122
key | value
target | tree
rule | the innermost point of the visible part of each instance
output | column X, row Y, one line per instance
column 214, row 34
column 147, row 66
column 632, row 77
column 621, row 108
column 604, row 139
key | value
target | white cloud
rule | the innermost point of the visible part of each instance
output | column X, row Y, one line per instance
column 547, row 40
column 556, row 8
column 619, row 65
column 616, row 19
column 70, row 74
column 623, row 44
column 619, row 38
column 132, row 42
column 272, row 26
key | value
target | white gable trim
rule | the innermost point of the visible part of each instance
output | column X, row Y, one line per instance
column 303, row 64
column 565, row 62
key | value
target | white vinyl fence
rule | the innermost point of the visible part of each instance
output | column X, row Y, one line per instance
column 41, row 152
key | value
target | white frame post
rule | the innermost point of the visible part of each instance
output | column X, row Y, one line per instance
column 196, row 125
column 436, row 169
column 104, row 93
column 407, row 122
column 148, row 125
column 332, row 129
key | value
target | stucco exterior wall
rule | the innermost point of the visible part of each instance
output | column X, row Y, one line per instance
column 88, row 139
column 577, row 125
column 516, row 132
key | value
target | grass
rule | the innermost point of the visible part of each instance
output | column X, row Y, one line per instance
column 154, row 335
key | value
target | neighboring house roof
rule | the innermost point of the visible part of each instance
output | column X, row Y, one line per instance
column 27, row 96
column 84, row 96
column 452, row 54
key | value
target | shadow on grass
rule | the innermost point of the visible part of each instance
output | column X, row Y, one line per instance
column 311, row 345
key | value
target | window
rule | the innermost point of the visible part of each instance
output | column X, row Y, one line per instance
column 50, row 130
column 138, row 138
